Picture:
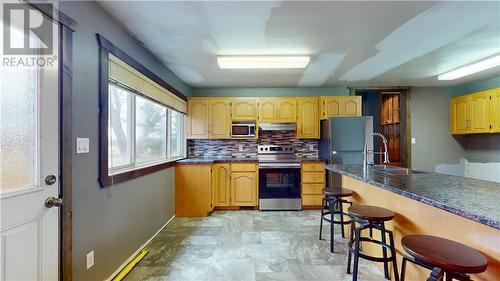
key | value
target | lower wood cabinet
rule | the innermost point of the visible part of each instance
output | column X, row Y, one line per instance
column 235, row 184
column 193, row 190
column 313, row 178
column 244, row 189
column 221, row 184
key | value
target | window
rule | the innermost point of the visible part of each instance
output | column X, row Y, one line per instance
column 141, row 131
column 142, row 119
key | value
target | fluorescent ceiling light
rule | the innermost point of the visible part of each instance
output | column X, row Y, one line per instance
column 470, row 69
column 258, row 62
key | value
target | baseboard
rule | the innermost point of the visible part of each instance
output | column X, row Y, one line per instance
column 129, row 259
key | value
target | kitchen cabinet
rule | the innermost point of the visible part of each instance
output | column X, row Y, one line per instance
column 244, row 109
column 495, row 111
column 209, row 118
column 244, row 184
column 475, row 113
column 277, row 109
column 197, row 120
column 193, row 190
column 219, row 122
column 333, row 106
column 313, row 180
column 221, row 184
column 308, row 118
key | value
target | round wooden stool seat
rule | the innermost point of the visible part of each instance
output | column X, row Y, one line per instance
column 445, row 254
column 337, row 192
column 371, row 213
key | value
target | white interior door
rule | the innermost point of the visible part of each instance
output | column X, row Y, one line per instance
column 29, row 152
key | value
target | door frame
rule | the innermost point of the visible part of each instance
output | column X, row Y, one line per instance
column 65, row 84
column 405, row 95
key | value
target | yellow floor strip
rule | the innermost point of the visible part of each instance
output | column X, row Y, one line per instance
column 130, row 265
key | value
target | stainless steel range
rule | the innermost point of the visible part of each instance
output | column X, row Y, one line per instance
column 279, row 178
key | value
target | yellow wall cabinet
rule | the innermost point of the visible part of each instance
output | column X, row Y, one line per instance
column 219, row 122
column 193, row 194
column 244, row 109
column 333, row 106
column 313, row 179
column 277, row 109
column 209, row 118
column 475, row 113
column 221, row 184
column 308, row 118
column 244, row 184
column 197, row 121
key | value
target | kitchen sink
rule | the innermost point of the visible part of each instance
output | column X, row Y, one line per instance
column 396, row 171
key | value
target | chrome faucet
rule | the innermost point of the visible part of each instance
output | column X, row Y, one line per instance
column 365, row 151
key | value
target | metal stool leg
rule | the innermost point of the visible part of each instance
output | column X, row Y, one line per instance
column 323, row 202
column 403, row 269
column 332, row 209
column 341, row 209
column 351, row 238
column 356, row 254
column 384, row 252
column 393, row 256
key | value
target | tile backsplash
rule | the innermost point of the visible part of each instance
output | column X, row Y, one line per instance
column 225, row 148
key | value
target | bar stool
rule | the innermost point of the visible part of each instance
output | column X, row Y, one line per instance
column 371, row 217
column 333, row 202
column 442, row 257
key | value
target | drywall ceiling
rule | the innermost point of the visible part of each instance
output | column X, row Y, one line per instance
column 350, row 43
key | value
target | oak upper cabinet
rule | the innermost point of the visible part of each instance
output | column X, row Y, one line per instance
column 221, row 184
column 268, row 109
column 333, row 106
column 244, row 184
column 308, row 118
column 219, row 122
column 495, row 111
column 287, row 108
column 479, row 112
column 459, row 119
column 244, row 109
column 197, row 121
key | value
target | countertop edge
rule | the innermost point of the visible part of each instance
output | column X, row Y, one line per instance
column 200, row 161
column 431, row 202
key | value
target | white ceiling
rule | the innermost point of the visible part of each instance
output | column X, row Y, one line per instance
column 350, row 43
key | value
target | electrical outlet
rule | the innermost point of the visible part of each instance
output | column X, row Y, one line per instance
column 82, row 145
column 413, row 141
column 311, row 147
column 90, row 259
column 240, row 147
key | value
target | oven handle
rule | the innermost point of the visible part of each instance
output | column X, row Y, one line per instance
column 279, row 166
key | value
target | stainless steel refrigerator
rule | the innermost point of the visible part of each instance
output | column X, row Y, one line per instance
column 342, row 142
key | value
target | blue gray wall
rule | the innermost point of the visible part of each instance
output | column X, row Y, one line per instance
column 269, row 92
column 115, row 221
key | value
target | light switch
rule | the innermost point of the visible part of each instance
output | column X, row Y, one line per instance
column 82, row 145
column 413, row 141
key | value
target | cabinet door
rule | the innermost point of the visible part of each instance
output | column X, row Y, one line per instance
column 221, row 184
column 197, row 125
column 287, row 108
column 479, row 117
column 350, row 106
column 243, row 189
column 458, row 111
column 268, row 110
column 495, row 111
column 193, row 194
column 219, row 124
column 330, row 106
column 244, row 108
column 308, row 118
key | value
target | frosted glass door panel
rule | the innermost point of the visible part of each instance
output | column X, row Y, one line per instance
column 18, row 127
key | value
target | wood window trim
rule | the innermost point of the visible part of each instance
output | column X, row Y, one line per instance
column 106, row 48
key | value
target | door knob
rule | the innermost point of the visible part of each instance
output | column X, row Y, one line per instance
column 50, row 180
column 53, row 202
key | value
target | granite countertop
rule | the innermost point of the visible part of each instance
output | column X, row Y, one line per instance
column 477, row 200
column 211, row 160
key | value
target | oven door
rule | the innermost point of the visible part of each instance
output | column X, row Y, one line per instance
column 279, row 183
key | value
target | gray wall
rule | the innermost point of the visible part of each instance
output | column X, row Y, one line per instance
column 269, row 92
column 430, row 126
column 113, row 221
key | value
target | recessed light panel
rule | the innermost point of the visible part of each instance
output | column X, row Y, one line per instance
column 470, row 69
column 262, row 62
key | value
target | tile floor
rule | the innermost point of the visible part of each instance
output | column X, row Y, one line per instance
column 247, row 245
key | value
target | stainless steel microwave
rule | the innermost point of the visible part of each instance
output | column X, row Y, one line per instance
column 243, row 130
